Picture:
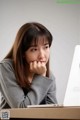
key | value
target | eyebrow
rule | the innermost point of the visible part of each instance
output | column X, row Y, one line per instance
column 36, row 45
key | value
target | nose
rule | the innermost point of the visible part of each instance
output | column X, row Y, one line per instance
column 41, row 55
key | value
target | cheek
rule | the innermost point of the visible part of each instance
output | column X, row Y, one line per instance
column 29, row 58
column 47, row 57
column 48, row 54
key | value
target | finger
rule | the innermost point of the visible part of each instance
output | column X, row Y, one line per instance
column 39, row 64
column 31, row 66
column 44, row 66
column 42, row 63
column 34, row 65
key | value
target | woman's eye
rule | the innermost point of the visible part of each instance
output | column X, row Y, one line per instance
column 33, row 49
column 47, row 46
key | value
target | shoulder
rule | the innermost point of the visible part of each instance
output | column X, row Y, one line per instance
column 7, row 72
column 6, row 61
column 6, row 64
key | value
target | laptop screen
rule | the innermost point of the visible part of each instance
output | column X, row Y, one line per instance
column 72, row 95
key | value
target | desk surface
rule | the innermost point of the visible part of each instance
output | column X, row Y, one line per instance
column 45, row 113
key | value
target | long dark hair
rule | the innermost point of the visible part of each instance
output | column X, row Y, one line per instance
column 25, row 36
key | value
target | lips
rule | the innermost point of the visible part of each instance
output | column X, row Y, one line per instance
column 43, row 62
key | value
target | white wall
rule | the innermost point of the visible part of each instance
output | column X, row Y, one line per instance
column 63, row 20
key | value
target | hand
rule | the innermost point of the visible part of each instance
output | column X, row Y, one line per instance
column 38, row 68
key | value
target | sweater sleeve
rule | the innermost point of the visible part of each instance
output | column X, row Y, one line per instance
column 14, row 94
column 51, row 94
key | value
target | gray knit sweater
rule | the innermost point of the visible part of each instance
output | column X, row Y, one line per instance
column 43, row 89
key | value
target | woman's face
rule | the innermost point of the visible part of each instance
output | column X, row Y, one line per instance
column 38, row 52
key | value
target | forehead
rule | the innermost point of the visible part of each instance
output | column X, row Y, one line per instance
column 40, row 40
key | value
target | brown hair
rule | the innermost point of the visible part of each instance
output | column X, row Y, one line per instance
column 26, row 34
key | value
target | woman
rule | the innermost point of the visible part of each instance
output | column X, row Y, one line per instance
column 25, row 78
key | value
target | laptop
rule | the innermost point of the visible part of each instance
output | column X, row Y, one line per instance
column 72, row 94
